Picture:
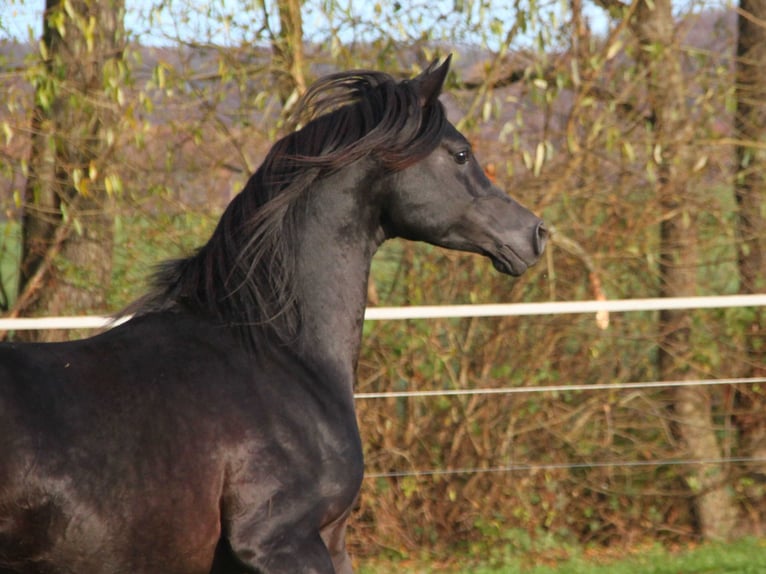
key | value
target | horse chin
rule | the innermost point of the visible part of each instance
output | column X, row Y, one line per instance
column 509, row 265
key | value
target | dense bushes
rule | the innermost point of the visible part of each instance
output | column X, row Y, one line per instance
column 590, row 466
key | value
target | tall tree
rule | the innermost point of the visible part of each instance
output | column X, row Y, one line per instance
column 660, row 61
column 67, row 229
column 749, row 186
column 750, row 120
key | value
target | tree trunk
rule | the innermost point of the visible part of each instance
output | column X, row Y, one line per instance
column 288, row 52
column 750, row 183
column 750, row 190
column 673, row 133
column 67, row 227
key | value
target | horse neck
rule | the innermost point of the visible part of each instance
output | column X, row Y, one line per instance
column 341, row 233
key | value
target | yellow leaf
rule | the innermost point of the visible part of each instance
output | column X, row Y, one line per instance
column 539, row 158
column 8, row 131
column 614, row 49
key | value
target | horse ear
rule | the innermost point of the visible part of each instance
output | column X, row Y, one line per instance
column 429, row 83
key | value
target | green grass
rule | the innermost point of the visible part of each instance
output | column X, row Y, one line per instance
column 141, row 242
column 9, row 261
column 746, row 556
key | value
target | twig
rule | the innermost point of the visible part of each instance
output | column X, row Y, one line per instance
column 574, row 248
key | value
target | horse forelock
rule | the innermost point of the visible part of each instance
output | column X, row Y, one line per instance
column 244, row 275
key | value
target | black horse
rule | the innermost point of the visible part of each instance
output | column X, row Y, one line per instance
column 215, row 431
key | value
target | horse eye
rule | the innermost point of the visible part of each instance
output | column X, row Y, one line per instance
column 461, row 157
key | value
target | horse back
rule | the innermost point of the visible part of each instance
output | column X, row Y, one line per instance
column 112, row 438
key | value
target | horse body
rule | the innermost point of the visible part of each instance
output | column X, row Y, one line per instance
column 86, row 481
column 145, row 472
column 215, row 431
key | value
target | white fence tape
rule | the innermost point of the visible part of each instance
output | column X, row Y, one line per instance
column 453, row 311
column 564, row 307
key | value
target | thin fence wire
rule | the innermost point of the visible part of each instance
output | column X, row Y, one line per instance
column 537, row 467
column 558, row 388
column 540, row 467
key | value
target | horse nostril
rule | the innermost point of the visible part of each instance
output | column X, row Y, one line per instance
column 541, row 236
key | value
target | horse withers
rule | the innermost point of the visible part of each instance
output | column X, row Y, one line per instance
column 215, row 430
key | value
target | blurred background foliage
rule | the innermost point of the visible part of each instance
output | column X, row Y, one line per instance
column 625, row 125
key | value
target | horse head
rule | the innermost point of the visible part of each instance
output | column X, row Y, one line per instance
column 446, row 198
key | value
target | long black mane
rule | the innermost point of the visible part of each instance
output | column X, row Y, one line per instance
column 244, row 275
